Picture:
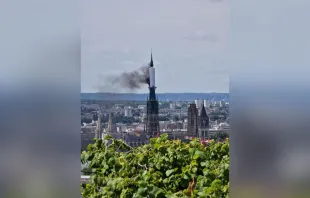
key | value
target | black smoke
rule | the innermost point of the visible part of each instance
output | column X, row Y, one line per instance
column 132, row 80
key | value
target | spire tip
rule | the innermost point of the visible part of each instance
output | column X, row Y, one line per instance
column 151, row 63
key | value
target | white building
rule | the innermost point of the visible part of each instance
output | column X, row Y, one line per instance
column 206, row 103
column 93, row 123
column 142, row 107
column 222, row 104
column 185, row 123
column 121, row 127
column 128, row 112
column 198, row 103
column 163, row 125
column 224, row 126
column 216, row 103
column 172, row 105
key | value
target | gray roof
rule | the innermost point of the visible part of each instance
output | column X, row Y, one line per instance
column 130, row 137
column 116, row 135
column 135, row 138
column 203, row 112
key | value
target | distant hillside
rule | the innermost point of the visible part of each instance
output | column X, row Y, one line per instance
column 161, row 96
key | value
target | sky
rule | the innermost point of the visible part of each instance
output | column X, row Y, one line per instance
column 198, row 45
column 188, row 40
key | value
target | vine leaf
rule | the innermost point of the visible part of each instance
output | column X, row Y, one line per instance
column 162, row 168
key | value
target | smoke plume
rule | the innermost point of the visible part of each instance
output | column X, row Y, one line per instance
column 132, row 80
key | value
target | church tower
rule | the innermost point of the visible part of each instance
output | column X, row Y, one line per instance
column 152, row 121
column 98, row 133
column 111, row 126
column 203, row 123
column 192, row 126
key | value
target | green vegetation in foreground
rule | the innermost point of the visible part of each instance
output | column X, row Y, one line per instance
column 163, row 168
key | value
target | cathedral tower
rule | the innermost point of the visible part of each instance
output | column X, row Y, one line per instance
column 203, row 122
column 98, row 133
column 111, row 126
column 152, row 122
column 192, row 126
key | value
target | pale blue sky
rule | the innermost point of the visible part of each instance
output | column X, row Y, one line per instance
column 189, row 41
column 198, row 45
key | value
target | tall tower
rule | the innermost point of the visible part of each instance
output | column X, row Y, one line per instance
column 98, row 133
column 203, row 122
column 152, row 122
column 110, row 123
column 192, row 126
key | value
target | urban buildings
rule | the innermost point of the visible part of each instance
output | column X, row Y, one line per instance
column 186, row 120
column 136, row 122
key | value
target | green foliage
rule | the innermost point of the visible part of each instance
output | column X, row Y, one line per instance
column 163, row 168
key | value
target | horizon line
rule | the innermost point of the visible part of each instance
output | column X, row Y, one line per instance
column 156, row 93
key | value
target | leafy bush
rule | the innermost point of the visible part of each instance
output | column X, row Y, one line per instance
column 163, row 168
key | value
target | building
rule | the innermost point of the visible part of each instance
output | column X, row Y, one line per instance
column 142, row 107
column 111, row 126
column 98, row 133
column 198, row 103
column 197, row 121
column 203, row 122
column 192, row 120
column 133, row 139
column 185, row 124
column 85, row 178
column 128, row 112
column 87, row 137
column 152, row 121
column 206, row 103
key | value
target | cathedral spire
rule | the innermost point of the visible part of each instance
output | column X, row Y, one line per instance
column 203, row 112
column 151, row 63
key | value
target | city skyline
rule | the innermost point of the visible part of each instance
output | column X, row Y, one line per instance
column 188, row 40
column 143, row 92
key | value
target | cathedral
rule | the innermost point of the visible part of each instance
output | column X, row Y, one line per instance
column 151, row 127
column 111, row 126
column 198, row 121
column 98, row 132
column 131, row 139
column 152, row 121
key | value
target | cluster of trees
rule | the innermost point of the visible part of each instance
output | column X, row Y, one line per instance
column 163, row 168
